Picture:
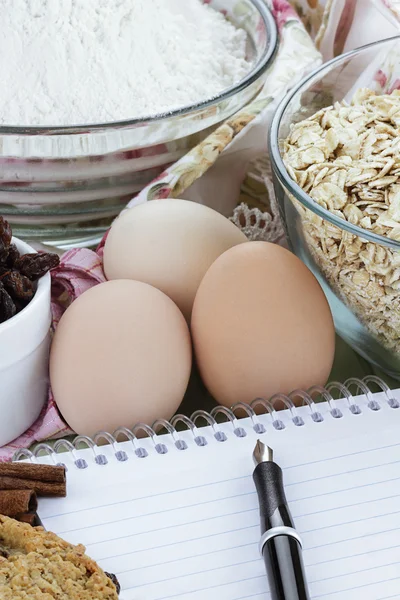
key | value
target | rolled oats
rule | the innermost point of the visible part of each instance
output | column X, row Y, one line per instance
column 347, row 158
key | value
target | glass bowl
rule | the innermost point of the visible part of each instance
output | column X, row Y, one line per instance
column 64, row 186
column 358, row 269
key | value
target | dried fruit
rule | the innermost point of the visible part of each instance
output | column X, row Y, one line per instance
column 35, row 266
column 5, row 238
column 17, row 285
column 115, row 581
column 7, row 306
column 13, row 254
column 18, row 274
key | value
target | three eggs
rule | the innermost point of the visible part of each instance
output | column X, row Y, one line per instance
column 179, row 274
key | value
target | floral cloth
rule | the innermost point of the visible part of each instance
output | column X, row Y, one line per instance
column 226, row 153
column 338, row 26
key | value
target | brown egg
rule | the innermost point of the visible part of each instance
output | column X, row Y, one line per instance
column 261, row 325
column 121, row 355
column 169, row 244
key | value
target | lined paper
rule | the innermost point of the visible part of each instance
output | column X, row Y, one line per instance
column 185, row 525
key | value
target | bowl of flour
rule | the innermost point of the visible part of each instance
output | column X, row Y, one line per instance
column 100, row 96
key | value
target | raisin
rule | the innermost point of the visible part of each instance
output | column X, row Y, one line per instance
column 17, row 285
column 13, row 254
column 19, row 273
column 35, row 266
column 20, row 304
column 7, row 306
column 5, row 238
column 115, row 581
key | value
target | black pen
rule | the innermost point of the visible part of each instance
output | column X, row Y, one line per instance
column 280, row 544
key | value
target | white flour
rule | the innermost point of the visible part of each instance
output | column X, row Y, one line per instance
column 65, row 62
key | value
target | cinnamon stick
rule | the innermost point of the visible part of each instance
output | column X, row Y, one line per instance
column 44, row 480
column 33, row 471
column 42, row 488
column 15, row 502
column 31, row 518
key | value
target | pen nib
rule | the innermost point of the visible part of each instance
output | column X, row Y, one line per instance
column 262, row 453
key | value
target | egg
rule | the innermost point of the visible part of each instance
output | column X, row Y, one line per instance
column 121, row 355
column 261, row 325
column 169, row 244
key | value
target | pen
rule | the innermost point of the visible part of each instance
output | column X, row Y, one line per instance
column 280, row 544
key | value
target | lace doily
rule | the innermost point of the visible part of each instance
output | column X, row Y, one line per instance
column 257, row 215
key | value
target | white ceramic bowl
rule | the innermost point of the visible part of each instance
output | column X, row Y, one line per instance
column 24, row 353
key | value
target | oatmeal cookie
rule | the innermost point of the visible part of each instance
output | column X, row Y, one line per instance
column 38, row 565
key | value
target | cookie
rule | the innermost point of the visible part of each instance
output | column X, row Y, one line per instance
column 38, row 565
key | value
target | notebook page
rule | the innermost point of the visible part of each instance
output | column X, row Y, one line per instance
column 185, row 525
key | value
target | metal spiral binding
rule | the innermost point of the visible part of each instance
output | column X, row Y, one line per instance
column 278, row 421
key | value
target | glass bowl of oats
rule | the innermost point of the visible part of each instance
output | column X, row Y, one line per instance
column 335, row 152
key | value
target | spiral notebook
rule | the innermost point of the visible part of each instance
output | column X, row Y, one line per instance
column 175, row 516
